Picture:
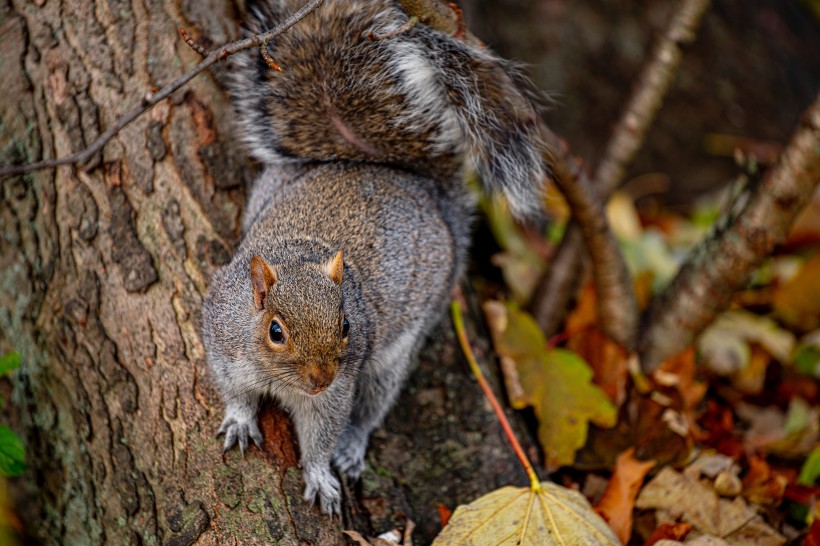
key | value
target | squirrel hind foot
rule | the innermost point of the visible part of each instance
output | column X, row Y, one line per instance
column 349, row 459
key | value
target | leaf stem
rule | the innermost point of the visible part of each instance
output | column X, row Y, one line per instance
column 458, row 323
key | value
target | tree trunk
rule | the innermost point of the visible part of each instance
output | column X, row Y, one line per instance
column 102, row 274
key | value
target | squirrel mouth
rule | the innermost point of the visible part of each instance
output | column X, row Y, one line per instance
column 314, row 392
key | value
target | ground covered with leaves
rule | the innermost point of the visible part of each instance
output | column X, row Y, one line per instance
column 720, row 444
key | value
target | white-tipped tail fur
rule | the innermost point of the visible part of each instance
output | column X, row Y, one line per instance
column 418, row 99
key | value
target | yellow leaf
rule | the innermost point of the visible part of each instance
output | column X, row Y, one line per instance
column 798, row 300
column 521, row 516
column 556, row 383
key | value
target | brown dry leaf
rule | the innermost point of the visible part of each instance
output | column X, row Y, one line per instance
column 724, row 346
column 556, row 383
column 679, row 496
column 391, row 538
column 618, row 502
column 762, row 485
column 584, row 315
column 702, row 540
column 793, row 433
column 798, row 301
column 520, row 516
column 609, row 362
column 679, row 372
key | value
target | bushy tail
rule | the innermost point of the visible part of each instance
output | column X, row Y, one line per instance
column 413, row 97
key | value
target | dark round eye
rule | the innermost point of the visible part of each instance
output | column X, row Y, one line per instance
column 276, row 333
column 345, row 327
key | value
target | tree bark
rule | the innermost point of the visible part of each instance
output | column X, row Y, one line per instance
column 102, row 274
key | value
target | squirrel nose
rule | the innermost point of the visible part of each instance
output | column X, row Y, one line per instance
column 319, row 377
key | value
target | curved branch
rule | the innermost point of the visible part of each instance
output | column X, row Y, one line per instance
column 560, row 281
column 617, row 305
column 722, row 263
column 151, row 99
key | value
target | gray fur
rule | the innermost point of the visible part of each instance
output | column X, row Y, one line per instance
column 364, row 144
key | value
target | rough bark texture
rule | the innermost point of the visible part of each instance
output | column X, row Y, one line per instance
column 102, row 274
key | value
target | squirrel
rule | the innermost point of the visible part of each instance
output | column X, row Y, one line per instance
column 357, row 230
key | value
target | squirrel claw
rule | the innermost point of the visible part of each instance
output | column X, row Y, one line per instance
column 321, row 483
column 238, row 433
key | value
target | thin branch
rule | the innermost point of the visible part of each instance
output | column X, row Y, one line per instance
column 722, row 263
column 616, row 303
column 653, row 85
column 151, row 99
column 191, row 42
column 559, row 284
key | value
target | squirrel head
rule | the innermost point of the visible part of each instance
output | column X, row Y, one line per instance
column 302, row 332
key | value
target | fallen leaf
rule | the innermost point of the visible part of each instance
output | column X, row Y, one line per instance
column 391, row 538
column 650, row 253
column 520, row 263
column 813, row 537
column 807, row 355
column 679, row 496
column 608, row 360
column 762, row 485
column 556, row 383
column 618, row 502
column 810, row 473
column 679, row 372
column 718, row 426
column 444, row 514
column 724, row 346
column 793, row 433
column 798, row 301
column 668, row 532
column 702, row 540
column 623, row 217
column 521, row 516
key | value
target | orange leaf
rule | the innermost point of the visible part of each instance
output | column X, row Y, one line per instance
column 444, row 514
column 762, row 484
column 618, row 501
column 608, row 360
column 798, row 301
column 679, row 372
column 669, row 531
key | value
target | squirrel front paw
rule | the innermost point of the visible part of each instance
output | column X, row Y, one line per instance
column 320, row 482
column 238, row 430
column 349, row 455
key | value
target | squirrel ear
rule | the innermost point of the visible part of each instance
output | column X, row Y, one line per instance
column 334, row 268
column 262, row 277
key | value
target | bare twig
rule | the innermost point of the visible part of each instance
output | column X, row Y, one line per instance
column 263, row 49
column 151, row 99
column 616, row 304
column 722, row 263
column 191, row 42
column 653, row 85
column 559, row 283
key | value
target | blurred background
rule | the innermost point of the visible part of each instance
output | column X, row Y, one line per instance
column 754, row 67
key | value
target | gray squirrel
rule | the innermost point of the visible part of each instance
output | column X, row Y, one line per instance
column 357, row 230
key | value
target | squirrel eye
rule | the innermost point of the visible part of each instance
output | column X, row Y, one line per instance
column 276, row 333
column 345, row 327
